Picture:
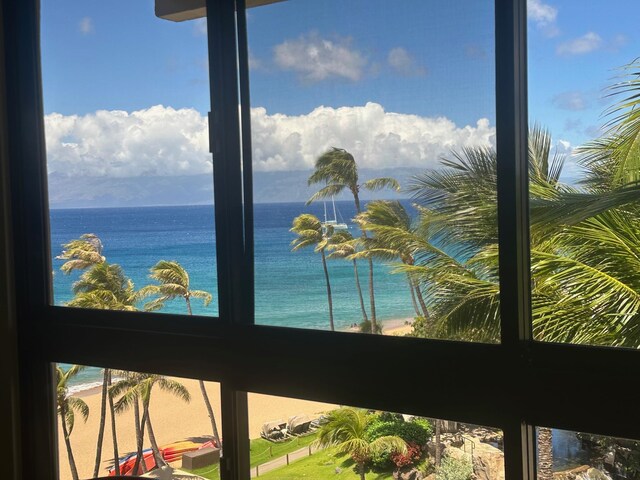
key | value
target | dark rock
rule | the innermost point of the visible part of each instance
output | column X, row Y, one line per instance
column 413, row 474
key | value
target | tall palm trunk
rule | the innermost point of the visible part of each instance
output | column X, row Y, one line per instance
column 413, row 297
column 207, row 402
column 116, row 456
column 361, row 468
column 214, row 425
column 545, row 454
column 67, row 441
column 326, row 277
column 416, row 288
column 372, row 298
column 364, row 311
column 423, row 305
column 188, row 300
column 152, row 439
column 438, row 434
column 139, row 437
column 103, row 417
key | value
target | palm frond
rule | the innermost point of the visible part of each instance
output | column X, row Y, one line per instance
column 170, row 272
column 206, row 297
column 376, row 184
column 570, row 208
column 326, row 192
column 175, row 388
column 79, row 405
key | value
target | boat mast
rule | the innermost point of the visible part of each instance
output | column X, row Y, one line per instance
column 325, row 211
column 335, row 217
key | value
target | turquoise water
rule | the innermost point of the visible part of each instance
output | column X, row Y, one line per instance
column 289, row 286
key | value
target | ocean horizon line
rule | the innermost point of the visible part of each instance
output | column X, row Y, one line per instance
column 287, row 202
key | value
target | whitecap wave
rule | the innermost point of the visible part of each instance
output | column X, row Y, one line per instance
column 82, row 387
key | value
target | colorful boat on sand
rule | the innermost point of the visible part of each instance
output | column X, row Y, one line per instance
column 171, row 452
column 128, row 463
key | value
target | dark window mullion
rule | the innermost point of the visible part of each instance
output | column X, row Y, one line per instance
column 234, row 283
column 247, row 164
column 225, row 145
column 513, row 211
column 30, row 243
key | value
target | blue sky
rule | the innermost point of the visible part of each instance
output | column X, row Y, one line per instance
column 430, row 62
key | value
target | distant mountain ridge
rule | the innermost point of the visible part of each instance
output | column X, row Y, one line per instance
column 268, row 187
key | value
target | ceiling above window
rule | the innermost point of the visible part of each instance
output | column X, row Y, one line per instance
column 181, row 10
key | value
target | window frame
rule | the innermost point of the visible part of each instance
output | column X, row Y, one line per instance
column 527, row 386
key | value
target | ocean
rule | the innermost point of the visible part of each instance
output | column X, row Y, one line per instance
column 289, row 286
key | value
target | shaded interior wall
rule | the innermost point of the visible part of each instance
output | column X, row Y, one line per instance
column 9, row 403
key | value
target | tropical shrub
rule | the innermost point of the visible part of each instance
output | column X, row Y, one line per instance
column 420, row 328
column 454, row 469
column 411, row 457
column 416, row 432
column 365, row 327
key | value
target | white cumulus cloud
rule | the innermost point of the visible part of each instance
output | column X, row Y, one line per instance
column 165, row 141
column 315, row 58
column 375, row 137
column 579, row 46
column 86, row 26
column 403, row 63
column 156, row 141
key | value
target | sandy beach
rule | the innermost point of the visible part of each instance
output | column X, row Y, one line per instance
column 174, row 420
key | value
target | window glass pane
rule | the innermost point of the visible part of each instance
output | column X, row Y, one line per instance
column 179, row 433
column 125, row 100
column 293, row 439
column 567, row 454
column 373, row 135
column 583, row 135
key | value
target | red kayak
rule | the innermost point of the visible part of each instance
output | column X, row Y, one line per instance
column 127, row 464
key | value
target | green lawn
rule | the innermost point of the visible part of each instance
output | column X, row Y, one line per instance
column 322, row 464
column 262, row 451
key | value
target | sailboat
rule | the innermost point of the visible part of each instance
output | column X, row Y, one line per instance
column 333, row 224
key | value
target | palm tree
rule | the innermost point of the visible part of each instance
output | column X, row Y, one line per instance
column 585, row 272
column 545, row 454
column 346, row 431
column 438, row 450
column 137, row 387
column 343, row 245
column 114, row 435
column 467, row 292
column 82, row 254
column 67, row 406
column 173, row 282
column 105, row 286
column 126, row 381
column 310, row 233
column 393, row 237
column 337, row 170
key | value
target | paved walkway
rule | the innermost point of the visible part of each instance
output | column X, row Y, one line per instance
column 284, row 460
